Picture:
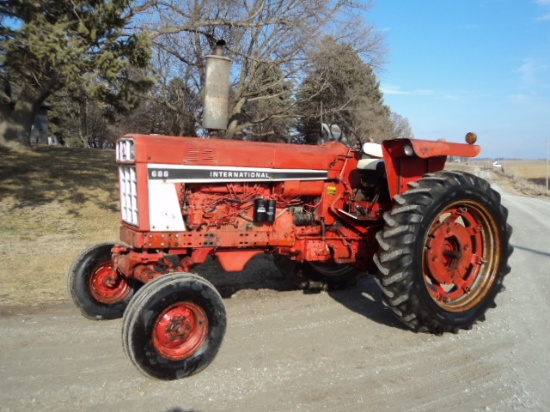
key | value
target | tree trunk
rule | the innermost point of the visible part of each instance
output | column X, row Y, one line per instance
column 16, row 125
column 16, row 120
column 83, row 129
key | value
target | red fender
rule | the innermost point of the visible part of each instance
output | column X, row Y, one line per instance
column 407, row 160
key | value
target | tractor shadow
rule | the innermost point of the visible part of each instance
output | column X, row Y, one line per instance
column 526, row 249
column 364, row 298
column 260, row 273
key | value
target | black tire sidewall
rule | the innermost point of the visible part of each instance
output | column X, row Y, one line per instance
column 140, row 329
column 79, row 284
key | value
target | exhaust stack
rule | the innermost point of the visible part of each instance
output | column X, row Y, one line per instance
column 216, row 90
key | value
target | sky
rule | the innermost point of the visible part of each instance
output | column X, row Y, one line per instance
column 456, row 66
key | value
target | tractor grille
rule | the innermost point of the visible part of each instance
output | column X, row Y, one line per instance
column 126, row 150
column 128, row 195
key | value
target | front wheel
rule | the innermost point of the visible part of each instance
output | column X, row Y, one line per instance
column 444, row 252
column 96, row 287
column 174, row 326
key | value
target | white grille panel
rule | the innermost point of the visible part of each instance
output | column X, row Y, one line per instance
column 125, row 150
column 128, row 195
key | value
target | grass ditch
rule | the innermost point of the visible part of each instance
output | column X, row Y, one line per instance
column 54, row 202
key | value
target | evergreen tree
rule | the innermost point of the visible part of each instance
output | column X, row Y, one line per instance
column 47, row 45
column 342, row 89
column 266, row 110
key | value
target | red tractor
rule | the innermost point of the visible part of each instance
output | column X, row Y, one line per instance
column 437, row 240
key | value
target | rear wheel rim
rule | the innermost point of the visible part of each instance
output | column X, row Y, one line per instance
column 180, row 330
column 461, row 252
column 107, row 285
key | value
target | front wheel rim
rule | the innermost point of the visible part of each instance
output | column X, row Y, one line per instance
column 461, row 252
column 180, row 330
column 107, row 285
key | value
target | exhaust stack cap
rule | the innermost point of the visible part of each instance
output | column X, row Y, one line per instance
column 219, row 48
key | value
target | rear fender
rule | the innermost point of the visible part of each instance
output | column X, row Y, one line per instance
column 407, row 160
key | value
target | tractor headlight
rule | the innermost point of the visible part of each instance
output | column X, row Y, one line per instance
column 408, row 150
column 125, row 150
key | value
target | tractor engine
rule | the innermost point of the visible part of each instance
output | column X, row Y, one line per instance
column 238, row 206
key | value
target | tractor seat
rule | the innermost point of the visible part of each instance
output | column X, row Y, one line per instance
column 373, row 157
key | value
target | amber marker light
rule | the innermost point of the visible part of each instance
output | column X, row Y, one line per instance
column 471, row 138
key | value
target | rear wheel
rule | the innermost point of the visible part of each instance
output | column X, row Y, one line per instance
column 333, row 274
column 313, row 276
column 96, row 287
column 174, row 327
column 444, row 252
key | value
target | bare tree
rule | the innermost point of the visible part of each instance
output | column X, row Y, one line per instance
column 259, row 34
column 175, row 98
column 401, row 127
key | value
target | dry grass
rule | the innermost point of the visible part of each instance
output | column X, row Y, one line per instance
column 526, row 177
column 54, row 202
column 521, row 177
column 526, row 169
column 533, row 171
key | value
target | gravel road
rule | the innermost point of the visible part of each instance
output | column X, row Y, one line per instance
column 289, row 351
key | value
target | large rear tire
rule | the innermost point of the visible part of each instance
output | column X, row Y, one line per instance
column 174, row 326
column 444, row 252
column 96, row 287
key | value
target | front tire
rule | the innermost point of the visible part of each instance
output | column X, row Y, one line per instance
column 96, row 287
column 174, row 326
column 444, row 252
